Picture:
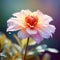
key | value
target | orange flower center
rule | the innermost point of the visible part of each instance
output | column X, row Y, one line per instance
column 31, row 21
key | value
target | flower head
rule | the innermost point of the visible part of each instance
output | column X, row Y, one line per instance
column 31, row 24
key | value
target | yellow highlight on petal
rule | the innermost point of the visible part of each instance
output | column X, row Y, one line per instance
column 31, row 42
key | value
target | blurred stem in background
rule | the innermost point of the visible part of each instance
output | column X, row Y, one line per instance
column 46, row 56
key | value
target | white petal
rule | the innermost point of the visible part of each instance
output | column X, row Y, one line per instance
column 31, row 31
column 38, row 12
column 16, row 14
column 15, row 21
column 19, row 14
column 53, row 50
column 47, row 18
column 44, row 19
column 30, row 53
column 22, row 13
column 51, row 28
column 14, row 24
column 12, row 28
column 26, row 12
column 37, row 37
column 39, row 47
column 47, row 32
column 42, row 50
column 22, row 35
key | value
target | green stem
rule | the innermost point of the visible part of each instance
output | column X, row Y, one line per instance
column 24, row 58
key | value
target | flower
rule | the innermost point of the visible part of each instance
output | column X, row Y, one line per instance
column 31, row 24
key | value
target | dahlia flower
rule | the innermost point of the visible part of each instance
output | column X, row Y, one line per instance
column 31, row 24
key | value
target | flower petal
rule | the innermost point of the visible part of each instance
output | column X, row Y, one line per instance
column 19, row 14
column 44, row 20
column 47, row 32
column 22, row 13
column 13, row 21
column 14, row 24
column 30, row 31
column 12, row 28
column 51, row 28
column 52, row 50
column 37, row 37
column 16, row 14
column 37, row 13
column 26, row 12
column 47, row 18
column 22, row 35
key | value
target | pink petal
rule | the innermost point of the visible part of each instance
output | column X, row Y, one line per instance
column 51, row 28
column 16, row 14
column 47, row 32
column 47, row 18
column 22, row 35
column 38, row 12
column 19, row 14
column 30, row 31
column 13, row 24
column 37, row 37
column 22, row 13
column 27, row 11
column 12, row 28
column 14, row 21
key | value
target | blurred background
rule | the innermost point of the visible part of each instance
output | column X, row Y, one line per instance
column 50, row 7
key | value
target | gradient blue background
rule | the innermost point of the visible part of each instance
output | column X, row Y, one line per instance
column 50, row 7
